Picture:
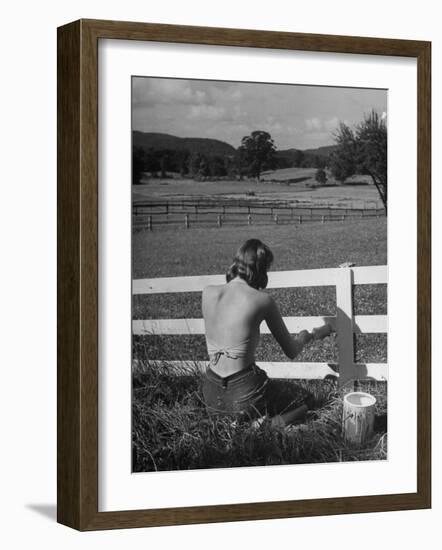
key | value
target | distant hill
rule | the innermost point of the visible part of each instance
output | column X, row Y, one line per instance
column 208, row 146
column 304, row 157
column 321, row 151
column 157, row 141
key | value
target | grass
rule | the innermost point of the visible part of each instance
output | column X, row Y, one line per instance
column 210, row 250
column 275, row 189
column 172, row 430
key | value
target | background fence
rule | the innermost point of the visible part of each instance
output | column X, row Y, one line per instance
column 345, row 323
column 191, row 212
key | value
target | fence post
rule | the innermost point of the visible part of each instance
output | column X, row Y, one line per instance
column 219, row 220
column 149, row 223
column 276, row 219
column 249, row 220
column 186, row 221
column 344, row 325
column 300, row 220
column 323, row 219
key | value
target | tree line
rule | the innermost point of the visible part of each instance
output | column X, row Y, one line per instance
column 256, row 154
column 249, row 160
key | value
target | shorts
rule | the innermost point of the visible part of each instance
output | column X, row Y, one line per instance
column 248, row 392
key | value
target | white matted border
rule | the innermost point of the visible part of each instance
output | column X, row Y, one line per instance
column 119, row 489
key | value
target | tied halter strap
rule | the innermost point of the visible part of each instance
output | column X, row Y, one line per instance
column 236, row 351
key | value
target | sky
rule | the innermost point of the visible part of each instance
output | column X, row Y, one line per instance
column 296, row 116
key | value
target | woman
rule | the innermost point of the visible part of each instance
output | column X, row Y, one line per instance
column 232, row 313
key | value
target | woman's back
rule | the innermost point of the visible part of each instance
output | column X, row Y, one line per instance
column 232, row 314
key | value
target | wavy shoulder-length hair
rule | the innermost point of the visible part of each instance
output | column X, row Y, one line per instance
column 251, row 263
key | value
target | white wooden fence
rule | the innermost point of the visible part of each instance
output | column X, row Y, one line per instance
column 345, row 323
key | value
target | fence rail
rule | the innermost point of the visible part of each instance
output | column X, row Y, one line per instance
column 345, row 323
column 239, row 212
column 217, row 200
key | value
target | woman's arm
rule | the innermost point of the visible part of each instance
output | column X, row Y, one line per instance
column 290, row 345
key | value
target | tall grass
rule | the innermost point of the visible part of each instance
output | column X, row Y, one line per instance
column 173, row 431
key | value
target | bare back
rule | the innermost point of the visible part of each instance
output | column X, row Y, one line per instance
column 232, row 314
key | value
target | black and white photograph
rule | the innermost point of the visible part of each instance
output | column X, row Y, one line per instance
column 259, row 274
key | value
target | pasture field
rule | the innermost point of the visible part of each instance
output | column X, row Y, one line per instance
column 171, row 429
column 272, row 187
column 210, row 250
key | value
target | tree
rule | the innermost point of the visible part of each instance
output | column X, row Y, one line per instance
column 203, row 170
column 138, row 165
column 319, row 161
column 230, row 166
column 362, row 151
column 298, row 157
column 217, row 166
column 241, row 162
column 258, row 150
column 343, row 159
column 194, row 162
column 163, row 165
column 184, row 164
column 371, row 139
column 321, row 176
column 152, row 163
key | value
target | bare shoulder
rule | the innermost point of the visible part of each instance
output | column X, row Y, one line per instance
column 263, row 302
column 211, row 290
column 266, row 301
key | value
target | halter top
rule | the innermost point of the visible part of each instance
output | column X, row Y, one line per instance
column 236, row 351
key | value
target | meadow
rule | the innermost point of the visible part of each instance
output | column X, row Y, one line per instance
column 171, row 429
column 296, row 185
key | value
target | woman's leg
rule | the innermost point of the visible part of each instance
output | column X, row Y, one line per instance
column 286, row 402
column 284, row 419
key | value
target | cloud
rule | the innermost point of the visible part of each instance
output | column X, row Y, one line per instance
column 320, row 125
column 206, row 112
column 227, row 92
column 149, row 92
column 331, row 124
column 295, row 116
column 313, row 124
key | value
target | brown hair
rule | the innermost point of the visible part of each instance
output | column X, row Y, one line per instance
column 251, row 263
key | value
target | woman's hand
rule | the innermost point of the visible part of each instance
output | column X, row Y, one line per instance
column 305, row 336
column 322, row 332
